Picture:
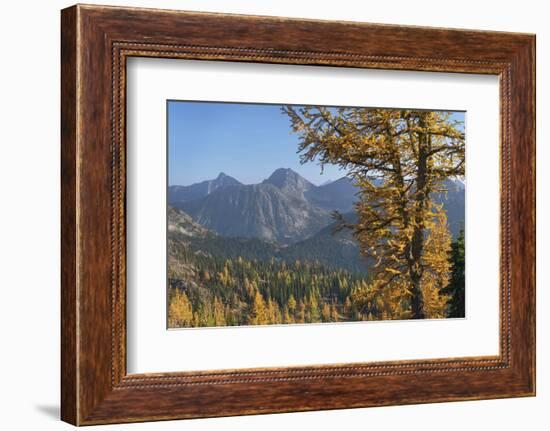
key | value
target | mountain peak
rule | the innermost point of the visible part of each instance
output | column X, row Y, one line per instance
column 281, row 175
column 224, row 179
column 287, row 171
column 200, row 190
column 288, row 180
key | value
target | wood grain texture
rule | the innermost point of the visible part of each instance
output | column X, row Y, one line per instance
column 69, row 397
column 96, row 41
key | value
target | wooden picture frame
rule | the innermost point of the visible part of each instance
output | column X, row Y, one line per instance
column 95, row 43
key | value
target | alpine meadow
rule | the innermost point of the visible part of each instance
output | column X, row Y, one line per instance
column 294, row 214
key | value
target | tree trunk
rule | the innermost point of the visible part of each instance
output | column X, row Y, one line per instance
column 417, row 242
column 415, row 271
column 417, row 300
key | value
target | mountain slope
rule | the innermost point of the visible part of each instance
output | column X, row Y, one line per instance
column 337, row 195
column 453, row 200
column 333, row 251
column 261, row 211
column 289, row 182
column 182, row 223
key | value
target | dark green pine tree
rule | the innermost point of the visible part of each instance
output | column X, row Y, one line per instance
column 456, row 286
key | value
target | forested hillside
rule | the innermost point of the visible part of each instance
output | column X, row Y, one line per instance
column 217, row 281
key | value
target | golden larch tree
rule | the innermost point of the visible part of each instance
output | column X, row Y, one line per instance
column 180, row 312
column 398, row 159
column 259, row 314
column 437, row 265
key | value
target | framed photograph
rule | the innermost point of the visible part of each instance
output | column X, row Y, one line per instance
column 266, row 215
column 359, row 228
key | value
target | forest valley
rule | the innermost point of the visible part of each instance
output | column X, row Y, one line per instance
column 226, row 292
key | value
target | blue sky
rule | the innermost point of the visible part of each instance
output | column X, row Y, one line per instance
column 245, row 141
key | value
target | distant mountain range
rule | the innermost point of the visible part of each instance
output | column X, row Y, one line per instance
column 200, row 190
column 275, row 210
column 285, row 209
